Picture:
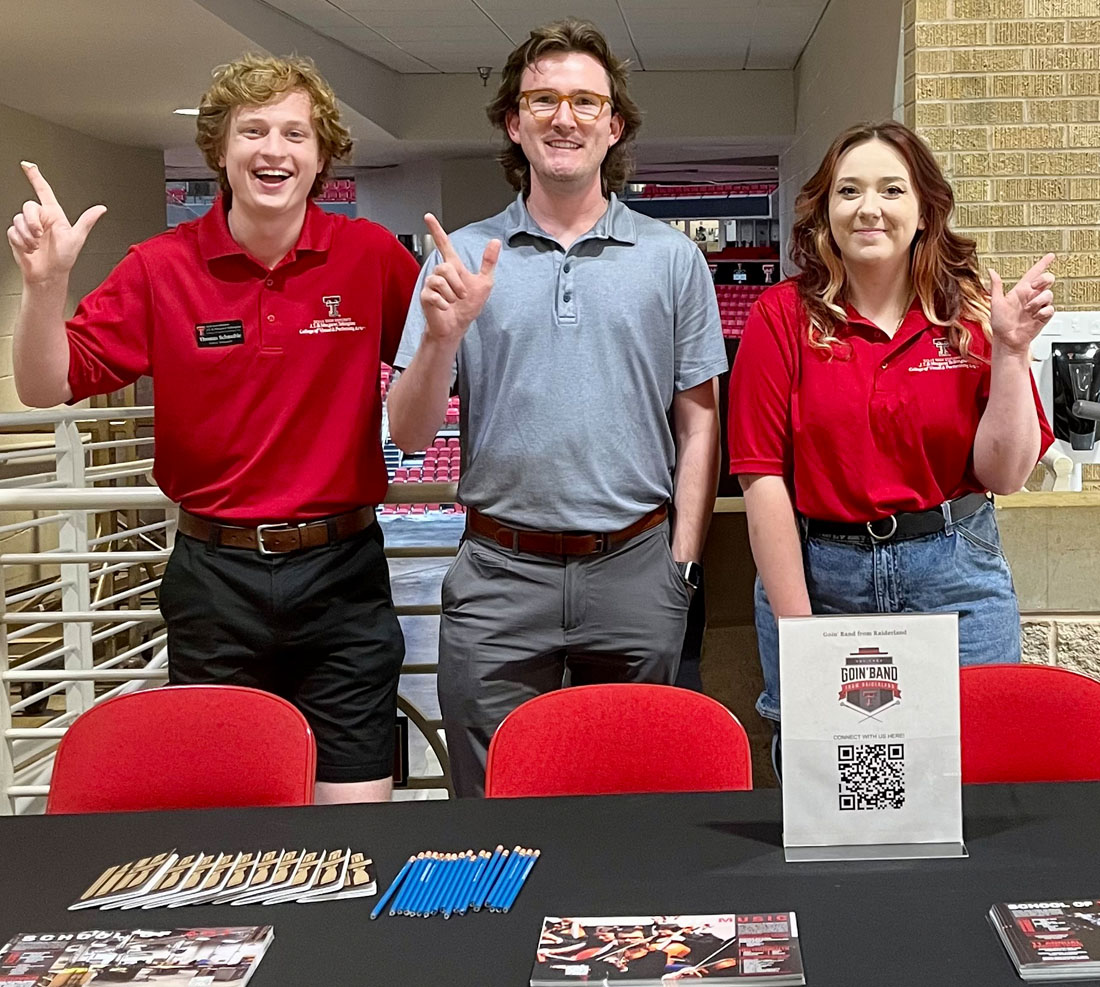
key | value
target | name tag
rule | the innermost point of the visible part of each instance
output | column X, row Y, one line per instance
column 228, row 333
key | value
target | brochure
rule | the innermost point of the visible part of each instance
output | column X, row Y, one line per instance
column 175, row 958
column 641, row 951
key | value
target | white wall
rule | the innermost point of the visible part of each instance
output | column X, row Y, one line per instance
column 82, row 171
column 847, row 74
column 473, row 188
column 398, row 197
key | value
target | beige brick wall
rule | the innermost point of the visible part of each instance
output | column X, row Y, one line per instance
column 1007, row 93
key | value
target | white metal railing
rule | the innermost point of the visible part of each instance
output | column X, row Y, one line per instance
column 80, row 621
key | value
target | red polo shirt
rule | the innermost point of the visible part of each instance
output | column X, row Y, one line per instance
column 267, row 396
column 886, row 425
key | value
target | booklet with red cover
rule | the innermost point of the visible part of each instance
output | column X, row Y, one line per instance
column 1051, row 940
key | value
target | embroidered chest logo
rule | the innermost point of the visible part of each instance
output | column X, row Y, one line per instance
column 335, row 321
column 945, row 359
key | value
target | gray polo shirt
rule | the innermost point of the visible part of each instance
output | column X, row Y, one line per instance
column 567, row 376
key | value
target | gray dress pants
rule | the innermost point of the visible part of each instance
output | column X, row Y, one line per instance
column 517, row 624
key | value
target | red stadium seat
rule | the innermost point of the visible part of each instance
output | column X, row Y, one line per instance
column 1024, row 723
column 616, row 739
column 184, row 747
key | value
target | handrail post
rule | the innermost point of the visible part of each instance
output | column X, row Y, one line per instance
column 7, row 760
column 76, row 590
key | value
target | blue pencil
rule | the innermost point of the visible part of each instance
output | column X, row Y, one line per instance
column 460, row 883
column 479, row 882
column 439, row 886
column 505, row 877
column 392, row 888
column 427, row 885
column 410, row 883
column 461, row 898
column 469, row 889
column 518, row 881
column 447, row 905
column 488, row 878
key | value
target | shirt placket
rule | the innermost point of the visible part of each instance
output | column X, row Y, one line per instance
column 272, row 327
column 565, row 296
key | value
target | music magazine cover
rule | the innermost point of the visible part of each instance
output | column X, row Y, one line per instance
column 663, row 949
column 173, row 958
column 1051, row 940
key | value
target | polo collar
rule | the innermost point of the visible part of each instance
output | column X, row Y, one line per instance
column 617, row 223
column 215, row 240
column 915, row 320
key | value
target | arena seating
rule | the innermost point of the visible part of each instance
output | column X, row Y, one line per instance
column 734, row 302
column 441, row 463
column 707, row 191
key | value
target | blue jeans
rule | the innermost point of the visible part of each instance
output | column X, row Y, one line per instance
column 959, row 569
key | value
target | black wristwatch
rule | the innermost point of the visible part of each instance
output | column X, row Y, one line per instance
column 691, row 572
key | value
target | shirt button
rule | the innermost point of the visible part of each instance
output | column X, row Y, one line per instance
column 566, row 297
column 883, row 365
column 271, row 318
column 269, row 282
column 567, row 268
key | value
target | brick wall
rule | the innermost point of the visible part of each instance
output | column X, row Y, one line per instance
column 1007, row 93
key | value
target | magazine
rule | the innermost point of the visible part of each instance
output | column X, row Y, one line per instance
column 1051, row 940
column 176, row 958
column 653, row 950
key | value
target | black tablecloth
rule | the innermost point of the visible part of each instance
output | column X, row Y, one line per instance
column 894, row 924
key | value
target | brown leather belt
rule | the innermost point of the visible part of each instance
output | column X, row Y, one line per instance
column 559, row 542
column 279, row 537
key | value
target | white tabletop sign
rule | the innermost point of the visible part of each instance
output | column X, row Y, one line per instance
column 870, row 732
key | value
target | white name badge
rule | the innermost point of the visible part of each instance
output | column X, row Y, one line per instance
column 870, row 731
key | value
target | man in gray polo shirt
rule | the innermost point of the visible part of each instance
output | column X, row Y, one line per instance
column 587, row 342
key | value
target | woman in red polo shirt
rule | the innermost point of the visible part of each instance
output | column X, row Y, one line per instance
column 876, row 398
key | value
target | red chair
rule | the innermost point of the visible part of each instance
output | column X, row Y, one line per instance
column 184, row 747
column 616, row 739
column 1028, row 723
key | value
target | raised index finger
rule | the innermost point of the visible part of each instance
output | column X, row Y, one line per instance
column 442, row 241
column 39, row 184
column 1038, row 268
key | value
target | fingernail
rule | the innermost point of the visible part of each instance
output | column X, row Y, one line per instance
column 28, row 164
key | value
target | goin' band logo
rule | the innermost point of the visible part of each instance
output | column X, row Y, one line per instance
column 869, row 681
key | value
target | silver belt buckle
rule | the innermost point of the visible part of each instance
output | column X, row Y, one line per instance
column 261, row 528
column 889, row 534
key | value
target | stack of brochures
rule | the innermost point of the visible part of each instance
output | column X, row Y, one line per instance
column 178, row 956
column 1051, row 940
column 254, row 877
column 651, row 950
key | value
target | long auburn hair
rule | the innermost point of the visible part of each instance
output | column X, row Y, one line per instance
column 943, row 266
column 563, row 37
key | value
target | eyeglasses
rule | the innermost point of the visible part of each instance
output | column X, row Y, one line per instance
column 545, row 102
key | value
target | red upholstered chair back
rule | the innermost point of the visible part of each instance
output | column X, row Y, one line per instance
column 1029, row 723
column 618, row 738
column 182, row 747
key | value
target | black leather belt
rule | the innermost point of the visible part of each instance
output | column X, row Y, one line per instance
column 898, row 527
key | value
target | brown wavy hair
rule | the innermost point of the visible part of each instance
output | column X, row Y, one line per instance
column 253, row 80
column 943, row 266
column 565, row 36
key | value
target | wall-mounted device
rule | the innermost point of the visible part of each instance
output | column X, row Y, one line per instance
column 1076, row 391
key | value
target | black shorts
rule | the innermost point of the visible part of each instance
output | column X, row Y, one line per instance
column 316, row 627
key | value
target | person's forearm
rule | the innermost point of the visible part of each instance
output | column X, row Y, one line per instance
column 417, row 402
column 695, row 487
column 40, row 345
column 1006, row 444
column 776, row 547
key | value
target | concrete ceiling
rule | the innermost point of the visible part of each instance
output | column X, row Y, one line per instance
column 115, row 69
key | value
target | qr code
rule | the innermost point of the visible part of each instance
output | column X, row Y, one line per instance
column 872, row 776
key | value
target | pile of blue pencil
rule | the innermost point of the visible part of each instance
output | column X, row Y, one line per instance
column 434, row 883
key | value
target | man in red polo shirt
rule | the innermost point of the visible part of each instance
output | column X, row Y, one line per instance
column 263, row 324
